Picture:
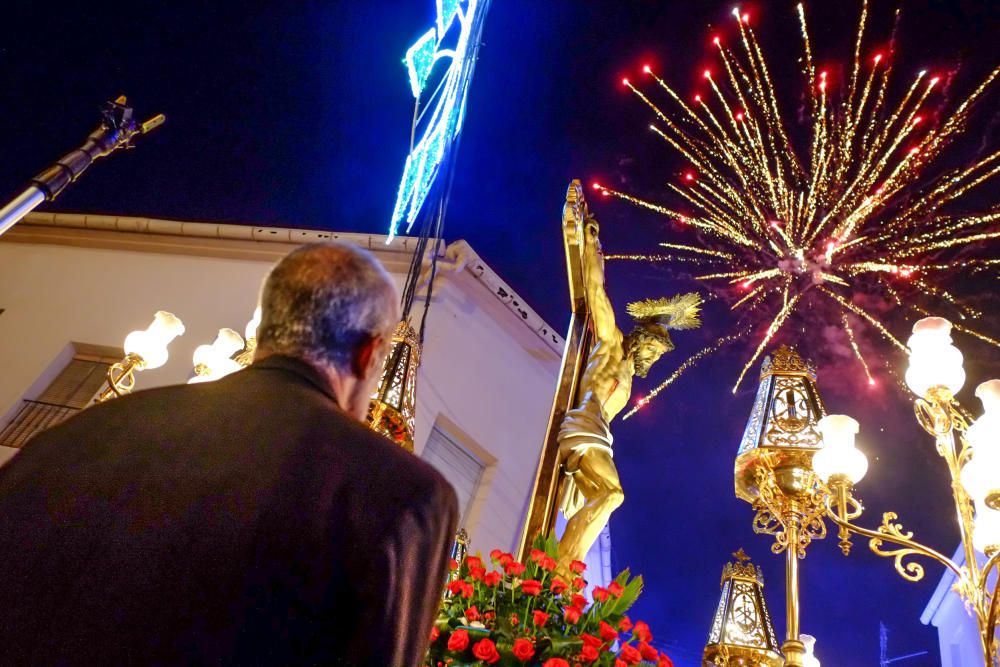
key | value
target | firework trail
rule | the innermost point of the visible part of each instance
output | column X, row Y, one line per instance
column 859, row 213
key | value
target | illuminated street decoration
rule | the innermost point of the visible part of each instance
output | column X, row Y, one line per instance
column 453, row 39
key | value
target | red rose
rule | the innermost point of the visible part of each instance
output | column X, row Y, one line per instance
column 456, row 586
column 625, row 624
column 489, row 616
column 572, row 614
column 540, row 617
column 523, row 649
column 537, row 554
column 547, row 563
column 616, row 589
column 591, row 640
column 589, row 654
column 505, row 559
column 647, row 652
column 620, row 663
column 555, row 662
column 514, row 620
column 495, row 554
column 514, row 568
column 472, row 613
column 435, row 633
column 558, row 586
column 577, row 567
column 630, row 655
column 487, row 651
column 474, row 561
column 531, row 587
column 459, row 640
column 664, row 661
column 608, row 633
column 578, row 601
column 492, row 578
column 579, row 583
column 452, row 564
column 477, row 573
column 601, row 594
column 467, row 590
column 642, row 632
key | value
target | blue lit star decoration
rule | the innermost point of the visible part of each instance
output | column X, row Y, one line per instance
column 439, row 113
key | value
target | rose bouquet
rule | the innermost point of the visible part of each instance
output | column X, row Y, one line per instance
column 526, row 614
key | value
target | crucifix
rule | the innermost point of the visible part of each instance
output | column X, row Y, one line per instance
column 576, row 473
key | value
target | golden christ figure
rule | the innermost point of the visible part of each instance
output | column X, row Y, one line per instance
column 591, row 490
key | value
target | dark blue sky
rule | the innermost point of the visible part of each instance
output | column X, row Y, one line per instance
column 297, row 114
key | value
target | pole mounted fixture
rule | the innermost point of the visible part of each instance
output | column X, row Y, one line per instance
column 117, row 130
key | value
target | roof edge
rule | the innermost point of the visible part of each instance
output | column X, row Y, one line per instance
column 457, row 256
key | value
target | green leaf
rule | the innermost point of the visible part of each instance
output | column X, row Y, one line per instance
column 633, row 588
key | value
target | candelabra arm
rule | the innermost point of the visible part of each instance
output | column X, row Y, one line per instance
column 890, row 531
column 121, row 377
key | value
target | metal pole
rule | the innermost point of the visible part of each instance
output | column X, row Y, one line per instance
column 793, row 649
column 116, row 131
column 21, row 206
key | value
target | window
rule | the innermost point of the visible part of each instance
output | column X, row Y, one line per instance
column 458, row 465
column 71, row 391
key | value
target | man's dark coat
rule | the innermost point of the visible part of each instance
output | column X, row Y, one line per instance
column 245, row 521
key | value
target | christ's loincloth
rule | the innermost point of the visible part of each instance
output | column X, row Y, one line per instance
column 582, row 429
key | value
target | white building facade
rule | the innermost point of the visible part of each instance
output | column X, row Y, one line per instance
column 73, row 286
column 958, row 632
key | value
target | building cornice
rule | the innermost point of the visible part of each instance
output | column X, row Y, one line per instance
column 262, row 243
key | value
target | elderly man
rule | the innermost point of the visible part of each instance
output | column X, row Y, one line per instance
column 254, row 520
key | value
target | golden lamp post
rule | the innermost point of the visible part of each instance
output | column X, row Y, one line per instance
column 798, row 467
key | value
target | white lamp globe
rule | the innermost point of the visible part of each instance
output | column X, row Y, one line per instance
column 986, row 530
column 151, row 344
column 809, row 659
column 981, row 475
column 251, row 329
column 934, row 361
column 215, row 358
column 839, row 456
column 144, row 346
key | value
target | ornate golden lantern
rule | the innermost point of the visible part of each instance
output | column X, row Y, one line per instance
column 393, row 406
column 774, row 472
column 781, row 436
column 742, row 633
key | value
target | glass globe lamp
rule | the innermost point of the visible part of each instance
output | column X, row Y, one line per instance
column 986, row 531
column 839, row 456
column 981, row 475
column 809, row 659
column 214, row 361
column 150, row 345
column 934, row 361
column 251, row 329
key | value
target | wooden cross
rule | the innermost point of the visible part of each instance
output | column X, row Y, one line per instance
column 543, row 507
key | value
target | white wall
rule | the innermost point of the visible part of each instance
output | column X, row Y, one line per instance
column 958, row 632
column 486, row 378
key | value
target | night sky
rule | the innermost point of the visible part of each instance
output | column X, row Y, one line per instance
column 297, row 114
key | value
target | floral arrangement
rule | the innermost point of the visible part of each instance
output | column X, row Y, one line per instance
column 527, row 614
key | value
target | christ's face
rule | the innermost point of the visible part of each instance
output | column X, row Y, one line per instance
column 646, row 353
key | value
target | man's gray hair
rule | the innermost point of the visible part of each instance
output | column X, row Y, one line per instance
column 323, row 300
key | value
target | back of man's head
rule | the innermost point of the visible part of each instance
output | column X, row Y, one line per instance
column 323, row 303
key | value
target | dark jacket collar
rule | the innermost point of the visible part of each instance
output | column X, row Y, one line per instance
column 298, row 367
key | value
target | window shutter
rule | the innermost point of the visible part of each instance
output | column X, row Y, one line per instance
column 72, row 390
column 459, row 466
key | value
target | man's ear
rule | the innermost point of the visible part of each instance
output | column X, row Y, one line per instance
column 368, row 355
